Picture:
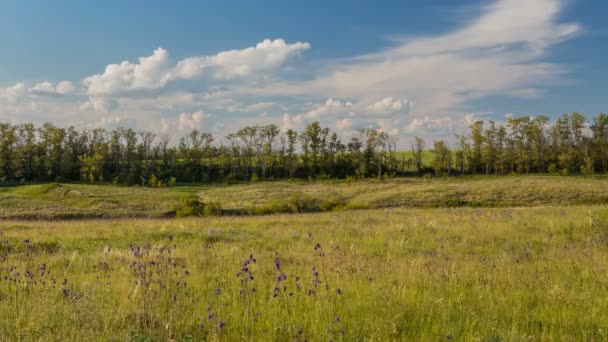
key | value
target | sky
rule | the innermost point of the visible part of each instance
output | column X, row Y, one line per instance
column 407, row 68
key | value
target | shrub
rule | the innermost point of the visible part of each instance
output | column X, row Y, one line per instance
column 294, row 204
column 427, row 177
column 172, row 181
column 195, row 207
column 212, row 209
column 553, row 170
column 153, row 181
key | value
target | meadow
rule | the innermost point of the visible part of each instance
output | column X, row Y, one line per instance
column 54, row 201
column 484, row 258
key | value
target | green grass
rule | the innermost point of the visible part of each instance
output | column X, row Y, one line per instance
column 488, row 274
column 82, row 201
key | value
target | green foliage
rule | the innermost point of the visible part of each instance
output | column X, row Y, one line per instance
column 212, row 209
column 172, row 181
column 294, row 204
column 195, row 207
column 553, row 170
column 427, row 177
column 92, row 167
column 154, row 182
column 587, row 167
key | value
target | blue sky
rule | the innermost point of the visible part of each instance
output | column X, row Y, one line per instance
column 426, row 68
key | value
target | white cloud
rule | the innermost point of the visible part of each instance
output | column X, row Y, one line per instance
column 62, row 88
column 154, row 72
column 266, row 56
column 389, row 105
column 343, row 125
column 427, row 123
column 127, row 76
column 330, row 107
column 192, row 121
column 260, row 106
column 13, row 93
column 291, row 122
column 389, row 126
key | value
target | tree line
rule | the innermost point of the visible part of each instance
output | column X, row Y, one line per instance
column 525, row 144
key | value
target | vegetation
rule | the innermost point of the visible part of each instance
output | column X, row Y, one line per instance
column 123, row 156
column 89, row 201
column 413, row 274
column 519, row 257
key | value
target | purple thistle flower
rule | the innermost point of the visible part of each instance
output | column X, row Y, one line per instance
column 222, row 324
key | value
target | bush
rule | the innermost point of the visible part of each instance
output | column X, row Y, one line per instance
column 553, row 170
column 195, row 207
column 294, row 204
column 212, row 209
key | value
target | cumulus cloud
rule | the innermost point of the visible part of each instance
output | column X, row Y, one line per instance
column 266, row 56
column 389, row 105
column 61, row 88
column 13, row 93
column 192, row 121
column 426, row 123
column 343, row 125
column 126, row 76
column 155, row 72
column 289, row 121
column 330, row 107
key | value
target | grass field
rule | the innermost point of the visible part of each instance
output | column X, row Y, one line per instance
column 73, row 201
column 529, row 262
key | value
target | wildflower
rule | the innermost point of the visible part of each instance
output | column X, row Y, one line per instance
column 317, row 246
column 222, row 324
column 218, row 292
column 277, row 264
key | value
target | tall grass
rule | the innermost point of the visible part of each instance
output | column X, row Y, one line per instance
column 405, row 274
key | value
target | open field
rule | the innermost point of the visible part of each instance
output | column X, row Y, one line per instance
column 74, row 201
column 481, row 258
column 394, row 274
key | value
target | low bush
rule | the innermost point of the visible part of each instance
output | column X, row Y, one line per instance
column 297, row 204
column 196, row 207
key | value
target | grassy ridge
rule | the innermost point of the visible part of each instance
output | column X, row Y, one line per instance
column 394, row 274
column 73, row 201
